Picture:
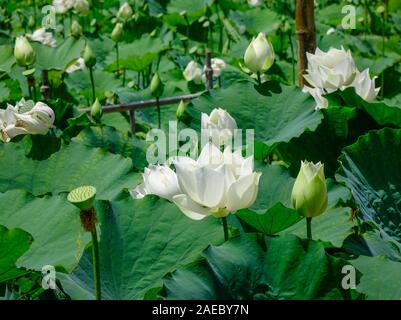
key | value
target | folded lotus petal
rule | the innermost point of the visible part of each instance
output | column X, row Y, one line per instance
column 243, row 192
column 139, row 191
column 190, row 208
column 161, row 181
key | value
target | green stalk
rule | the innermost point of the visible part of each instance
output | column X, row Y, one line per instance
column 159, row 121
column 93, row 84
column 96, row 269
column 259, row 80
column 225, row 228
column 292, row 57
column 309, row 228
column 117, row 60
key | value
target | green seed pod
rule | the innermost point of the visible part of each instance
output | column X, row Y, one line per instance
column 117, row 32
column 89, row 57
column 23, row 52
column 76, row 29
column 96, row 110
column 82, row 197
column 156, row 86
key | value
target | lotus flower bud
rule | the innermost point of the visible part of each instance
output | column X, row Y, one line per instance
column 96, row 110
column 181, row 110
column 76, row 29
column 156, row 86
column 125, row 11
column 82, row 7
column 259, row 56
column 117, row 32
column 23, row 52
column 309, row 194
column 89, row 57
column 31, row 22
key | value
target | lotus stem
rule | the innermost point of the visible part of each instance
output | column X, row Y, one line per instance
column 225, row 228
column 93, row 84
column 309, row 228
column 95, row 263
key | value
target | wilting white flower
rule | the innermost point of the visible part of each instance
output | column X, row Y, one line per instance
column 217, row 66
column 365, row 86
column 193, row 72
column 158, row 180
column 254, row 3
column 42, row 36
column 259, row 56
column 62, row 6
column 331, row 70
column 37, row 120
column 219, row 126
column 317, row 94
column 216, row 184
column 79, row 64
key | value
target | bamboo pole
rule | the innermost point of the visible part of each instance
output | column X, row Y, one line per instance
column 306, row 35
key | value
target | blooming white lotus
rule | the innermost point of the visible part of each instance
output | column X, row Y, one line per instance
column 365, row 86
column 217, row 183
column 218, row 65
column 219, row 126
column 37, row 120
column 62, row 6
column 331, row 70
column 42, row 36
column 259, row 56
column 193, row 72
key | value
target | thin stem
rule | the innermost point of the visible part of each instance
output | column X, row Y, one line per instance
column 96, row 269
column 259, row 80
column 159, row 121
column 309, row 228
column 225, row 228
column 292, row 57
column 117, row 59
column 93, row 84
column 29, row 83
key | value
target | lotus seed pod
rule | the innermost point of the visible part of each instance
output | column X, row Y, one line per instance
column 156, row 86
column 96, row 110
column 89, row 57
column 82, row 197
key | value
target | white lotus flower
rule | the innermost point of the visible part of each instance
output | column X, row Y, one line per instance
column 216, row 184
column 218, row 65
column 43, row 37
column 331, row 70
column 38, row 120
column 259, row 56
column 193, row 72
column 79, row 64
column 62, row 6
column 365, row 86
column 317, row 94
column 158, row 180
column 254, row 3
column 219, row 126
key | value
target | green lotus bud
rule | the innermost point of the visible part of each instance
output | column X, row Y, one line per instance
column 125, row 11
column 117, row 32
column 309, row 194
column 181, row 110
column 82, row 7
column 96, row 110
column 31, row 22
column 82, row 197
column 76, row 29
column 23, row 52
column 89, row 57
column 156, row 86
column 259, row 56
